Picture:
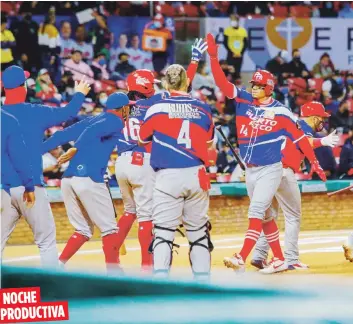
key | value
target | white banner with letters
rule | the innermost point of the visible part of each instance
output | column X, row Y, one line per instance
column 312, row 37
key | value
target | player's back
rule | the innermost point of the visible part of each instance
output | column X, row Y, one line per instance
column 93, row 153
column 181, row 127
column 128, row 141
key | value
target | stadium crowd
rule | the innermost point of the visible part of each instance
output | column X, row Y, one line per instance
column 60, row 54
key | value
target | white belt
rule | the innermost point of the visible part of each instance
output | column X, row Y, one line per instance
column 129, row 153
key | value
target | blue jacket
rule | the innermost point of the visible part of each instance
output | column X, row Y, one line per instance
column 13, row 154
column 34, row 120
column 95, row 138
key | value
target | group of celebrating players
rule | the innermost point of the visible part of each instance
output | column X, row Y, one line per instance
column 162, row 142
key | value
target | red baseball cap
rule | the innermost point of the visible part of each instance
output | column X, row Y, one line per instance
column 141, row 81
column 313, row 108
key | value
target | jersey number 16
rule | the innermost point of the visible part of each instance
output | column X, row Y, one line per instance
column 132, row 128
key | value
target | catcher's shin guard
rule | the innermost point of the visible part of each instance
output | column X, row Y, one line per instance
column 162, row 249
column 200, row 250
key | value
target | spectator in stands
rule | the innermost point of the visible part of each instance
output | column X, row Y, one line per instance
column 66, row 86
column 346, row 11
column 78, row 68
column 85, row 48
column 114, row 52
column 51, row 167
column 123, row 68
column 159, row 43
column 99, row 67
column 296, row 67
column 226, row 162
column 26, row 32
column 341, row 117
column 67, row 44
column 138, row 58
column 327, row 161
column 349, row 85
column 49, row 43
column 99, row 35
column 8, row 42
column 45, row 89
column 346, row 159
column 327, row 9
column 334, row 87
column 31, row 92
column 236, row 42
column 324, row 68
column 277, row 66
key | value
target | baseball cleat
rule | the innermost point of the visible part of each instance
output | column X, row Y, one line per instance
column 298, row 266
column 235, row 262
column 275, row 266
column 348, row 252
column 260, row 264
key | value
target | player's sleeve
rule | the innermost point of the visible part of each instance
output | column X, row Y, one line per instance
column 298, row 136
column 191, row 70
column 104, row 127
column 146, row 131
column 50, row 116
column 18, row 151
column 221, row 80
column 68, row 134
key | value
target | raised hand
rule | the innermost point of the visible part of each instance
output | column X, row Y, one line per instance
column 212, row 48
column 82, row 87
column 198, row 48
column 67, row 156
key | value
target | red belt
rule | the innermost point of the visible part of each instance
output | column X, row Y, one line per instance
column 249, row 165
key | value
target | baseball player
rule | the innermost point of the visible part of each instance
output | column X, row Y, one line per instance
column 133, row 171
column 179, row 129
column 34, row 120
column 13, row 149
column 86, row 197
column 288, row 194
column 262, row 126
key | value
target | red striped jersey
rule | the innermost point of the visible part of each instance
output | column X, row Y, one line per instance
column 262, row 129
column 180, row 128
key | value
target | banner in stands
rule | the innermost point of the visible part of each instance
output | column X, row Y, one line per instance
column 312, row 37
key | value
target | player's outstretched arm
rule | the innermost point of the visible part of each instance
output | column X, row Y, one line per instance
column 226, row 87
column 66, row 135
column 302, row 141
column 198, row 48
column 50, row 116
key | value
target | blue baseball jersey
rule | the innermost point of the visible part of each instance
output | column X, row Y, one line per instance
column 128, row 141
column 263, row 128
column 179, row 128
column 34, row 120
column 14, row 154
column 95, row 138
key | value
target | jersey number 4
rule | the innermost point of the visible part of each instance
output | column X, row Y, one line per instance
column 184, row 134
column 132, row 128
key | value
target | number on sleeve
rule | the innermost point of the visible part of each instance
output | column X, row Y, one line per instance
column 184, row 134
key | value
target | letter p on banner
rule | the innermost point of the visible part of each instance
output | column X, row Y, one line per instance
column 21, row 305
